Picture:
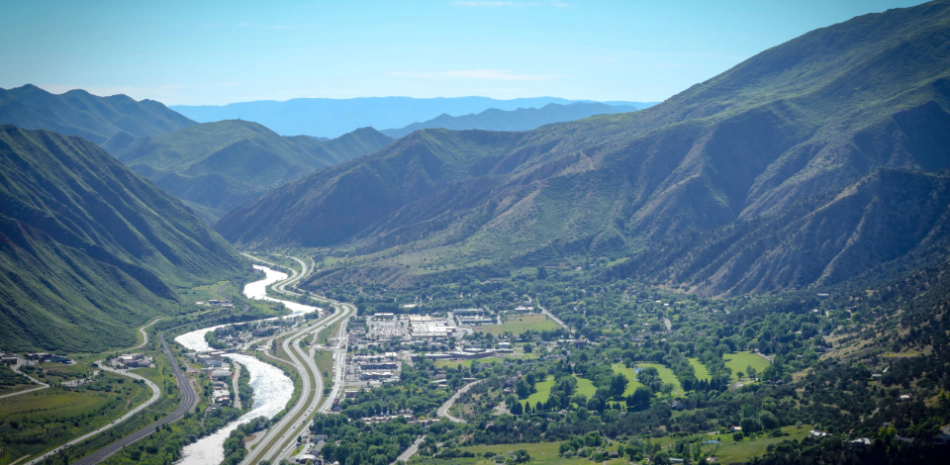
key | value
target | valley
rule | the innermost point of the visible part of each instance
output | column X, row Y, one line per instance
column 755, row 270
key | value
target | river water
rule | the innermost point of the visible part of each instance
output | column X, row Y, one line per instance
column 272, row 388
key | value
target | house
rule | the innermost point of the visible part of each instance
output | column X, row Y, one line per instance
column 8, row 358
column 677, row 405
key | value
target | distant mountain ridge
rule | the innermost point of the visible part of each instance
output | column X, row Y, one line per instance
column 324, row 117
column 838, row 110
column 522, row 119
column 88, row 249
column 215, row 167
column 79, row 113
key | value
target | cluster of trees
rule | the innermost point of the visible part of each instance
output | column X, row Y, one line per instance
column 356, row 443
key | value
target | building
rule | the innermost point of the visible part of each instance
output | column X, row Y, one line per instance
column 217, row 374
column 8, row 358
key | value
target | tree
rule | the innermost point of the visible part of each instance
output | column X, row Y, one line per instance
column 640, row 398
column 522, row 388
column 517, row 409
column 618, row 384
column 542, row 272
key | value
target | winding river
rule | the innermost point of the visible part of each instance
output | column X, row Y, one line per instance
column 272, row 388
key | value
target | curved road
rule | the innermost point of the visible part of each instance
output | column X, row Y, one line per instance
column 144, row 334
column 189, row 399
column 444, row 409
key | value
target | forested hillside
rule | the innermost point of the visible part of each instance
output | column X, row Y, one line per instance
column 803, row 126
column 79, row 113
column 215, row 167
column 88, row 249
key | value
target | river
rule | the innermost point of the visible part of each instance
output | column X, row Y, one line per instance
column 272, row 388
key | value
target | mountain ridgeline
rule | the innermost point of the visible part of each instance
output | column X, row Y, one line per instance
column 808, row 148
column 79, row 113
column 88, row 249
column 522, row 119
column 326, row 117
column 215, row 167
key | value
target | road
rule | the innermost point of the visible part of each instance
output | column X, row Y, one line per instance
column 144, row 334
column 444, row 409
column 189, row 399
column 280, row 438
column 410, row 451
column 551, row 316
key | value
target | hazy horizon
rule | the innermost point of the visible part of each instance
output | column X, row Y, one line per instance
column 185, row 54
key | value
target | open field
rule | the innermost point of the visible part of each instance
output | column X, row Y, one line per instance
column 585, row 387
column 519, row 324
column 740, row 361
column 542, row 391
column 631, row 376
column 666, row 375
column 324, row 360
column 699, row 368
column 203, row 293
column 468, row 363
column 743, row 451
column 59, row 415
column 542, row 453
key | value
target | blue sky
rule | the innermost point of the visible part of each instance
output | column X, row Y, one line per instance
column 223, row 52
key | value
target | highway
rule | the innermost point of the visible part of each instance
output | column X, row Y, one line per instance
column 189, row 399
column 280, row 439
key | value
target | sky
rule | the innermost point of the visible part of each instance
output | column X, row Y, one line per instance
column 216, row 52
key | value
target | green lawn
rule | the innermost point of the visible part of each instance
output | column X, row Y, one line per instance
column 59, row 415
column 542, row 391
column 519, row 324
column 699, row 368
column 666, row 375
column 631, row 376
column 743, row 451
column 585, row 387
column 468, row 363
column 203, row 293
column 324, row 361
column 740, row 361
column 542, row 453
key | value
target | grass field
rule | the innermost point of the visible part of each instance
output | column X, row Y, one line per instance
column 666, row 375
column 324, row 361
column 519, row 324
column 323, row 337
column 542, row 391
column 59, row 415
column 631, row 376
column 740, row 361
column 468, row 363
column 743, row 451
column 542, row 453
column 203, row 293
column 699, row 368
column 585, row 387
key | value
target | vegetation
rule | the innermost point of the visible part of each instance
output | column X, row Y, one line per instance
column 515, row 325
column 242, row 159
column 79, row 113
column 93, row 250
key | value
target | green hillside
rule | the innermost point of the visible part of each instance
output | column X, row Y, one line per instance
column 218, row 166
column 88, row 249
column 816, row 116
column 79, row 113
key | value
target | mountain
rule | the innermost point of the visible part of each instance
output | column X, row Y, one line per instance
column 79, row 113
column 816, row 117
column 334, row 117
column 522, row 119
column 215, row 167
column 88, row 249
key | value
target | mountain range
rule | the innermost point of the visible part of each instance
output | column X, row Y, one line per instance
column 522, row 119
column 215, row 167
column 88, row 249
column 802, row 148
column 79, row 113
column 325, row 117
